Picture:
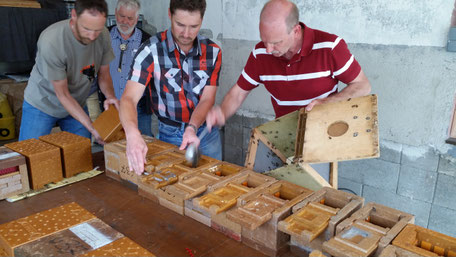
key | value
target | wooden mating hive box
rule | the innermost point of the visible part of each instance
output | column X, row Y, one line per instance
column 67, row 230
column 314, row 220
column 174, row 196
column 425, row 242
column 24, row 230
column 260, row 213
column 150, row 184
column 222, row 170
column 76, row 152
column 43, row 161
column 13, row 173
column 346, row 130
column 368, row 231
column 228, row 193
column 108, row 125
column 116, row 162
column 394, row 251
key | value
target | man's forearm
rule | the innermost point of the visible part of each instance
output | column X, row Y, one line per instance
column 233, row 100
column 128, row 116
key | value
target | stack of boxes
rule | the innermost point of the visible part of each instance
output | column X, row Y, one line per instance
column 13, row 173
column 43, row 161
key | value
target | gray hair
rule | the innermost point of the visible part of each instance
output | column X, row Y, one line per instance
column 129, row 4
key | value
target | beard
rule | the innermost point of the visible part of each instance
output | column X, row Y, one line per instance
column 125, row 29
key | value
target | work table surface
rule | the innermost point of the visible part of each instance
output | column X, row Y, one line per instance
column 154, row 227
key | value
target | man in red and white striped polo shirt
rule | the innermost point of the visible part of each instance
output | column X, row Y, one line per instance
column 299, row 66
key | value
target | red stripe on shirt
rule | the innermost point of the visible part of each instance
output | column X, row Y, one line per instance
column 217, row 68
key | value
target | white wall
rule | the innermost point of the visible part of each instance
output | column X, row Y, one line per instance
column 399, row 43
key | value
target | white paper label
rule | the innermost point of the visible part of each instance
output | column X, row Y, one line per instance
column 90, row 235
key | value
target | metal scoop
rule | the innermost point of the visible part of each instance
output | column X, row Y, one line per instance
column 192, row 154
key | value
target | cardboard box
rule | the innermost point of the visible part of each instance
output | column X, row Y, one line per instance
column 13, row 173
column 43, row 161
column 76, row 152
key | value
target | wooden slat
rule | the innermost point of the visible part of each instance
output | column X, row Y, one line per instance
column 453, row 123
column 20, row 3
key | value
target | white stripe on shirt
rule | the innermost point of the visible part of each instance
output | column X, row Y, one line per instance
column 327, row 44
column 249, row 79
column 313, row 75
column 346, row 66
column 303, row 102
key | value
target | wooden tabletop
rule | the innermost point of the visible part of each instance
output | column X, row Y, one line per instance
column 156, row 228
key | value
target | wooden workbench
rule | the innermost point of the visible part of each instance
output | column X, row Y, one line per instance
column 154, row 227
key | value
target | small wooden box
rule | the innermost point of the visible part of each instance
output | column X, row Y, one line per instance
column 260, row 214
column 425, row 242
column 76, row 152
column 116, row 161
column 108, row 125
column 368, row 231
column 24, row 230
column 43, row 161
column 14, row 178
column 314, row 219
column 194, row 184
column 227, row 194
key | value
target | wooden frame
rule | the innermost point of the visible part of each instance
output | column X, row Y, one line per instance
column 452, row 130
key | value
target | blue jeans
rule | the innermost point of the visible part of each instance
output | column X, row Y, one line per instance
column 145, row 123
column 36, row 123
column 210, row 145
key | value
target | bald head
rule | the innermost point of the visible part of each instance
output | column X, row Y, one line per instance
column 280, row 11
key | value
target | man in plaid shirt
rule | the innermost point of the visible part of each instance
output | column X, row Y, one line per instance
column 179, row 69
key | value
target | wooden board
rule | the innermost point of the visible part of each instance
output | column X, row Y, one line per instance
column 298, row 175
column 20, row 3
column 346, row 130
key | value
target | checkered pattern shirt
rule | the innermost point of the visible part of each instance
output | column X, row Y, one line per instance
column 173, row 80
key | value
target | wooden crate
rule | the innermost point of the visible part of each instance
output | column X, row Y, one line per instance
column 368, row 231
column 76, row 152
column 425, row 242
column 314, row 219
column 43, row 161
column 14, row 178
column 260, row 214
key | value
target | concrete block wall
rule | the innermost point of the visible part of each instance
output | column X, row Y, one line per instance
column 404, row 177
